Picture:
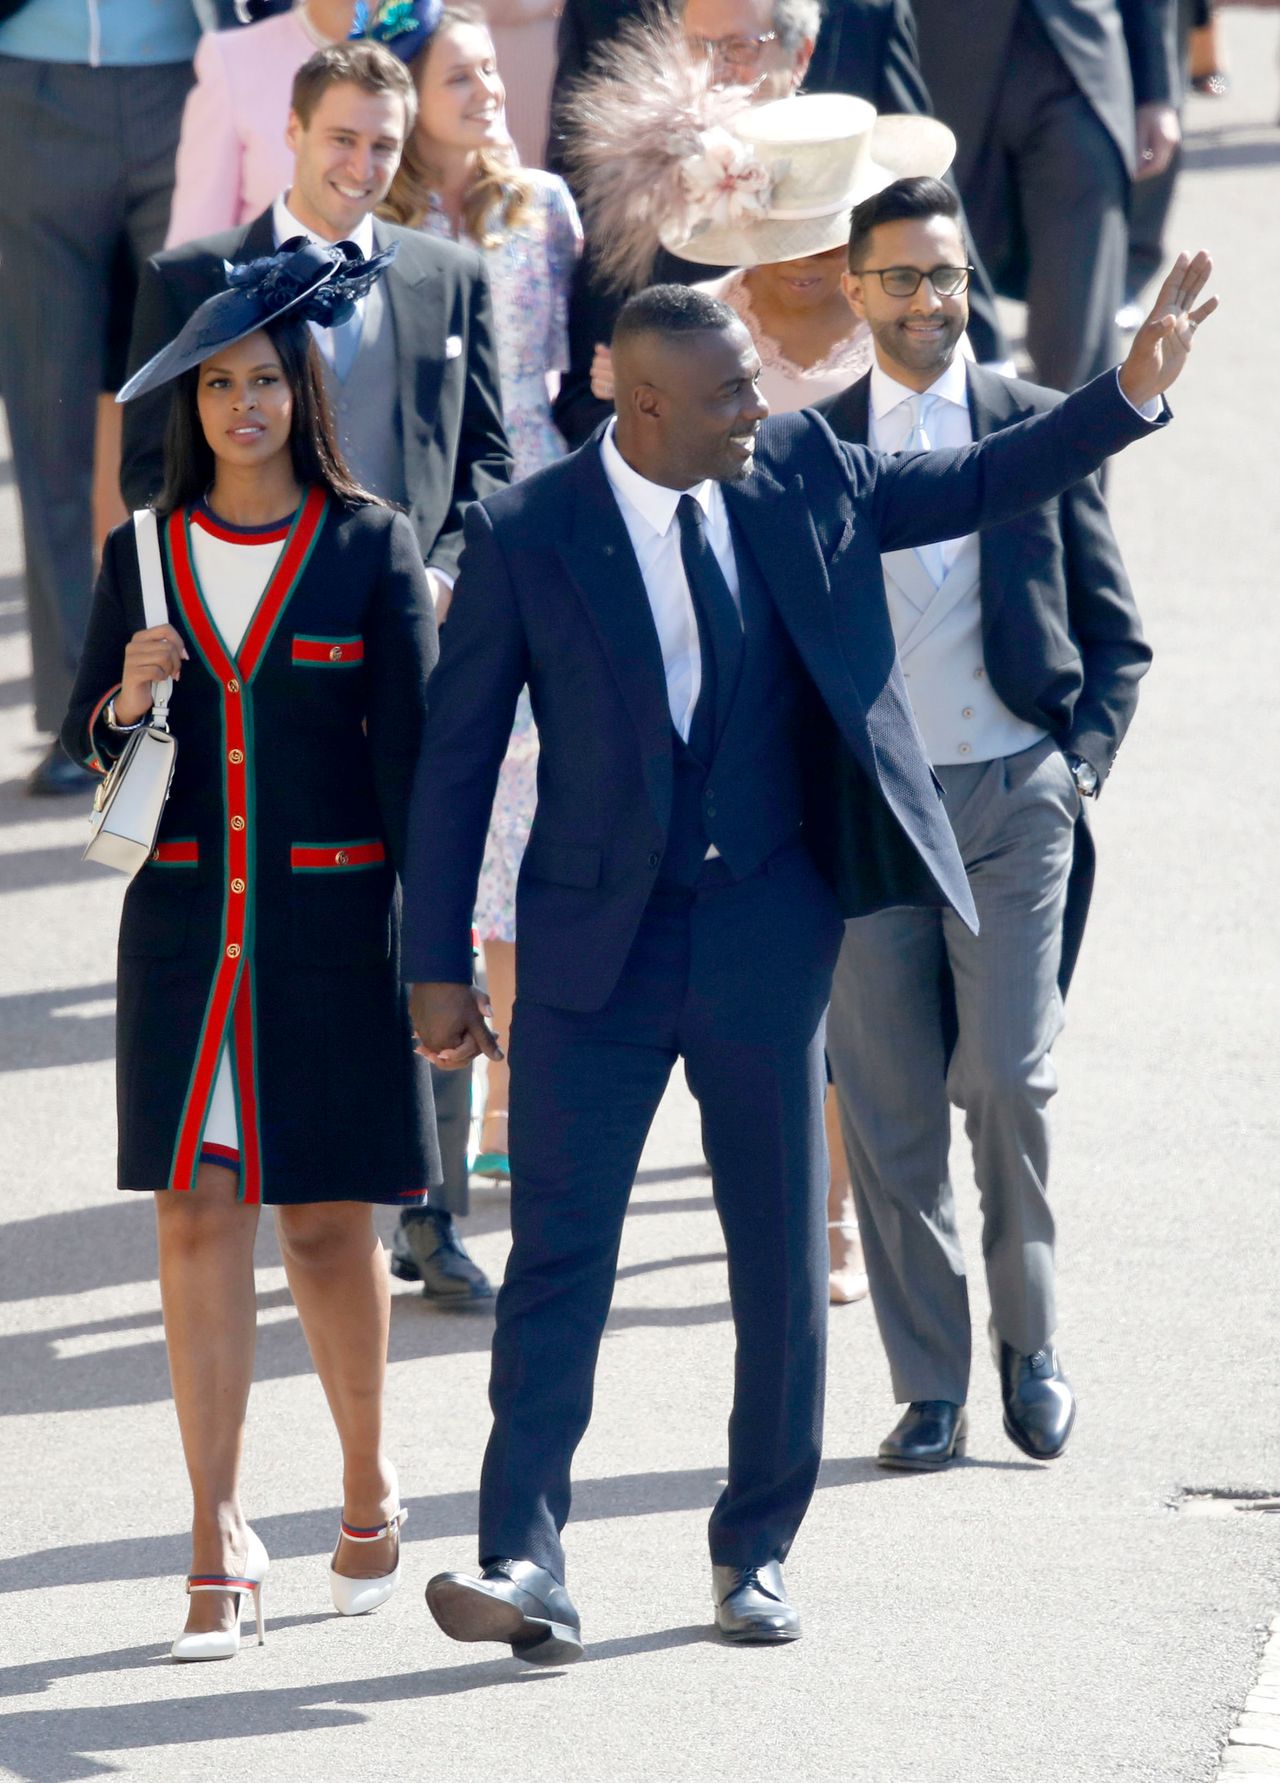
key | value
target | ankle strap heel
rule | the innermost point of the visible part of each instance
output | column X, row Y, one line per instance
column 356, row 1597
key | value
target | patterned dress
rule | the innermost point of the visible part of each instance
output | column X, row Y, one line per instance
column 530, row 271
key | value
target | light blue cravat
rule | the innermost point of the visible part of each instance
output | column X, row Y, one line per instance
column 346, row 343
column 919, row 409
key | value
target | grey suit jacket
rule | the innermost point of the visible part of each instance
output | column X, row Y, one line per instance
column 455, row 446
column 1119, row 52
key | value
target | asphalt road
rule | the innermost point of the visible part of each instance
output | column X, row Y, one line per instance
column 1002, row 1623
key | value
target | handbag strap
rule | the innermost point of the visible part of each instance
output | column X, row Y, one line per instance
column 155, row 609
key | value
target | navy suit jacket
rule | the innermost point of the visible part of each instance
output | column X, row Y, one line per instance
column 1061, row 637
column 550, row 594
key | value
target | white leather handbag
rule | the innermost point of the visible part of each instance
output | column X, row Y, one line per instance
column 129, row 804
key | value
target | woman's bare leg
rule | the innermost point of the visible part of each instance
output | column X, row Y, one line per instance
column 848, row 1280
column 500, row 981
column 338, row 1277
column 207, row 1291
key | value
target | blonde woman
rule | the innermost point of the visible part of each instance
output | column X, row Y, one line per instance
column 460, row 178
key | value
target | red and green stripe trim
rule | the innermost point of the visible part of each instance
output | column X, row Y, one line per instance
column 298, row 547
column 182, row 851
column 329, row 653
column 336, row 857
column 93, row 759
column 245, row 1057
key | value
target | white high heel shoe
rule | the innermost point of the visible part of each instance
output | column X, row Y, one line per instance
column 849, row 1282
column 224, row 1643
column 356, row 1597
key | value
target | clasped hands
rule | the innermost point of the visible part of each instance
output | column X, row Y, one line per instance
column 451, row 1023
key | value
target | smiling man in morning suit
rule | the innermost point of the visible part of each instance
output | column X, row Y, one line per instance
column 684, row 596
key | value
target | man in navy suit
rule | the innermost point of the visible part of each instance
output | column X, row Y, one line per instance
column 693, row 599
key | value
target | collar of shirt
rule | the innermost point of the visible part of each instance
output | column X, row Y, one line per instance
column 285, row 225
column 887, row 393
column 653, row 502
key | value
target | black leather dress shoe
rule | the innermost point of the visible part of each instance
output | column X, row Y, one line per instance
column 427, row 1249
column 752, row 1604
column 56, row 776
column 928, row 1435
column 1039, row 1406
column 512, row 1601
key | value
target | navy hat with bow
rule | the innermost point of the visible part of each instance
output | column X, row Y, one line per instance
column 311, row 281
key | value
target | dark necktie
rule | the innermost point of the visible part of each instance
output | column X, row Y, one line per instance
column 719, row 629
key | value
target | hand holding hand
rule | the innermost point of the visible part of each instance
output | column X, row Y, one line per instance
column 1158, row 134
column 1161, row 346
column 152, row 655
column 449, row 1020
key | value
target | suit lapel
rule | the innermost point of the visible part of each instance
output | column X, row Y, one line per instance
column 259, row 238
column 416, row 303
column 990, row 408
column 602, row 564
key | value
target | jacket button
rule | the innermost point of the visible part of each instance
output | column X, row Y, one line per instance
column 978, row 674
column 654, row 858
column 237, row 822
column 237, row 885
column 965, row 748
column 967, row 713
column 335, row 655
column 342, row 858
column 233, row 952
column 233, row 686
column 235, row 757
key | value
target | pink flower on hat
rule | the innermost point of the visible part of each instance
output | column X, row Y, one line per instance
column 724, row 185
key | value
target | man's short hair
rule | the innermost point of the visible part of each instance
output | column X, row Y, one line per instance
column 903, row 201
column 671, row 309
column 796, row 22
column 365, row 65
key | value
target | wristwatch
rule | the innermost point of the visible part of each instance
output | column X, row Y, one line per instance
column 1085, row 776
column 113, row 723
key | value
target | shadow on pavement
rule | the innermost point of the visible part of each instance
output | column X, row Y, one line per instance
column 41, row 1028
column 448, row 1516
column 26, row 869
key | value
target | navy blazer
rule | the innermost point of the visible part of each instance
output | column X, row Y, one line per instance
column 455, row 446
column 1061, row 637
column 550, row 594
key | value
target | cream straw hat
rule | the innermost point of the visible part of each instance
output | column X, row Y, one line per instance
column 780, row 182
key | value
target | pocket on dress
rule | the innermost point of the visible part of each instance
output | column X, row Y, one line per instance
column 316, row 652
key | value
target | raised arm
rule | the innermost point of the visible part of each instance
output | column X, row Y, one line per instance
column 920, row 497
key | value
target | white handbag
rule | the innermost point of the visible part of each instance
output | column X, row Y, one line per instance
column 129, row 804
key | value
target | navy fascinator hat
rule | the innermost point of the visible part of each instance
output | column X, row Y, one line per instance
column 311, row 281
column 401, row 26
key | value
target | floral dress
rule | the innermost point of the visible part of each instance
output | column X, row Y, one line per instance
column 530, row 271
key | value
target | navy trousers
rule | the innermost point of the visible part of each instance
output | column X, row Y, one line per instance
column 734, row 979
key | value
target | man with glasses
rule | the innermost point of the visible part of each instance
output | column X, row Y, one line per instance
column 1022, row 652
column 865, row 48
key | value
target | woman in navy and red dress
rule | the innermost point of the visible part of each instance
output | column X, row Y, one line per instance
column 264, row 1052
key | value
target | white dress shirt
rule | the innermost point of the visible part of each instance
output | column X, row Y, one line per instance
column 286, row 225
column 889, row 421
column 649, row 514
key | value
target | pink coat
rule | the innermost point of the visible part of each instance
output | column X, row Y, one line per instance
column 232, row 157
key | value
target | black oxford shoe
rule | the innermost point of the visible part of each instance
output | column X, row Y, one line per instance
column 512, row 1601
column 1039, row 1406
column 929, row 1434
column 752, row 1604
column 427, row 1249
column 56, row 776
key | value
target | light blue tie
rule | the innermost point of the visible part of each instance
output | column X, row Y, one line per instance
column 346, row 343
column 919, row 409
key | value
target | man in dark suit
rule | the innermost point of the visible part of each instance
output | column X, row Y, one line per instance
column 413, row 382
column 862, row 47
column 685, row 628
column 1022, row 652
column 1056, row 105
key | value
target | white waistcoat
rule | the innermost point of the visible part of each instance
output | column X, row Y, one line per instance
column 939, row 636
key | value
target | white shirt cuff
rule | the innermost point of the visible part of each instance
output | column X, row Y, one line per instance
column 1150, row 411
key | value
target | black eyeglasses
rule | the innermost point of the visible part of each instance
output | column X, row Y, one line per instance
column 904, row 281
column 743, row 52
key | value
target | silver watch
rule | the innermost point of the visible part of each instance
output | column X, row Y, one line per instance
column 113, row 723
column 1085, row 776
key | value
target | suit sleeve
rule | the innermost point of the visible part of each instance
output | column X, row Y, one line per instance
column 471, row 705
column 1151, row 34
column 157, row 317
column 921, row 497
column 84, row 734
column 401, row 649
column 484, row 462
column 207, row 175
column 592, row 313
column 1104, row 620
column 901, row 86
